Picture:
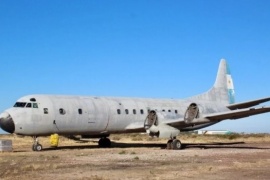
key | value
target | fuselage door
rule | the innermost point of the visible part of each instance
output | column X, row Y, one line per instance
column 98, row 115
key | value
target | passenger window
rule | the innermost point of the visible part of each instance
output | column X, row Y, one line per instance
column 118, row 111
column 35, row 105
column 29, row 105
column 141, row 111
column 169, row 110
column 62, row 111
column 126, row 110
column 134, row 111
column 176, row 112
column 80, row 111
column 46, row 111
column 163, row 110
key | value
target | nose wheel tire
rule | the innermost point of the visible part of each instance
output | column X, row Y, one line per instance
column 37, row 147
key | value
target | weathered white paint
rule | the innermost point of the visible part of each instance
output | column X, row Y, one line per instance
column 99, row 114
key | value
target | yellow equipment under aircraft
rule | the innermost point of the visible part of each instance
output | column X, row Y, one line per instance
column 54, row 140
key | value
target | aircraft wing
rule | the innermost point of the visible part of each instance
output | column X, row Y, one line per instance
column 247, row 104
column 215, row 117
column 235, row 114
column 207, row 118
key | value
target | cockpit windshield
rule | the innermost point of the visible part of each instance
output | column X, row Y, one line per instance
column 19, row 104
column 27, row 105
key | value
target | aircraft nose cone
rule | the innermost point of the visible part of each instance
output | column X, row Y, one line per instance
column 6, row 122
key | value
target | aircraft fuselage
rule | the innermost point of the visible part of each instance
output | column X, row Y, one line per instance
column 48, row 114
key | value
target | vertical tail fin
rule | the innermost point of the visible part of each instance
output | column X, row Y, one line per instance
column 223, row 89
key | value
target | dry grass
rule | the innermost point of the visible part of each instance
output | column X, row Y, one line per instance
column 138, row 162
column 196, row 138
column 227, row 138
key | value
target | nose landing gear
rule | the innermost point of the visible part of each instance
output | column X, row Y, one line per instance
column 36, row 146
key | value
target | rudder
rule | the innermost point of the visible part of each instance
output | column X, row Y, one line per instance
column 223, row 89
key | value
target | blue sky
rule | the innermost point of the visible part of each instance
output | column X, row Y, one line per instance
column 157, row 49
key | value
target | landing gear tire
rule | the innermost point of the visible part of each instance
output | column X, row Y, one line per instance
column 104, row 142
column 37, row 147
column 176, row 144
column 34, row 147
column 169, row 144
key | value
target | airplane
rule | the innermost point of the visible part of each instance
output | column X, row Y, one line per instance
column 98, row 117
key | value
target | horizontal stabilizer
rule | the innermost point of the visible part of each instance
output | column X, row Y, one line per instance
column 247, row 104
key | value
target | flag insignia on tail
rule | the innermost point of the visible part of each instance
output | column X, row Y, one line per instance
column 230, row 88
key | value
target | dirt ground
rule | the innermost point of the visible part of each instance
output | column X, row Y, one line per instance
column 139, row 157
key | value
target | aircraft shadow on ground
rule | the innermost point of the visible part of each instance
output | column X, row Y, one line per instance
column 212, row 145
column 231, row 145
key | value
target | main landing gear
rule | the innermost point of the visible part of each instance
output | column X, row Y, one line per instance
column 36, row 146
column 104, row 142
column 174, row 144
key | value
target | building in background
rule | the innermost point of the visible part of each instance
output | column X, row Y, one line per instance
column 214, row 132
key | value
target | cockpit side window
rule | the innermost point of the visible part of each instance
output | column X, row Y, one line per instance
column 29, row 105
column 35, row 105
column 19, row 104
